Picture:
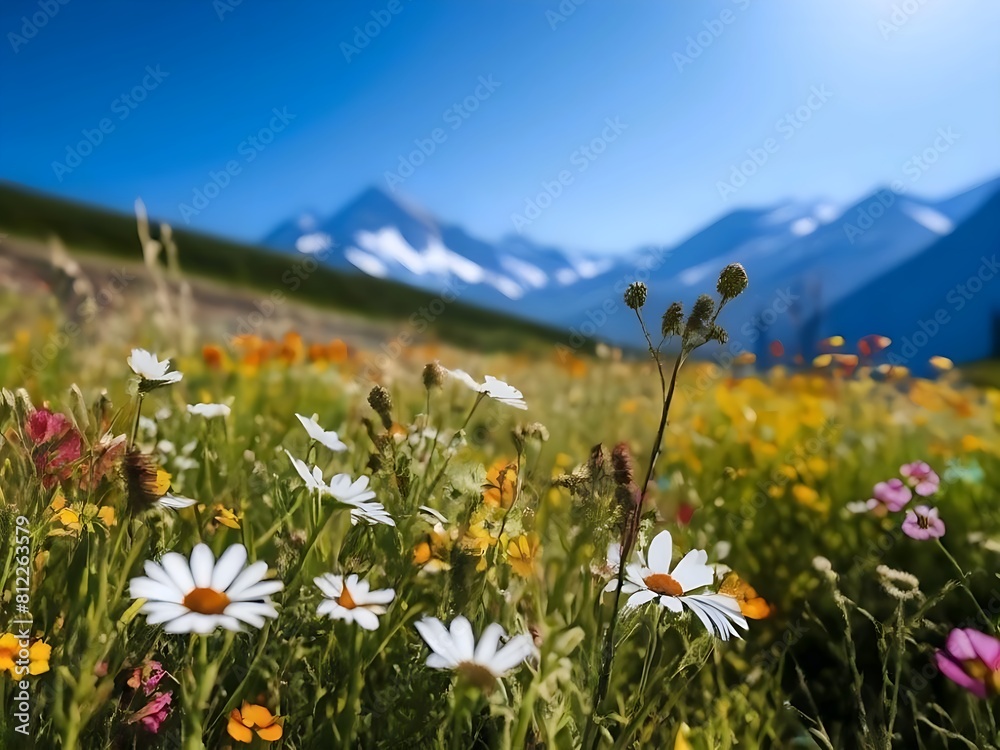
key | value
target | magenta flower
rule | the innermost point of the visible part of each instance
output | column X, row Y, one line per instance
column 923, row 523
column 893, row 495
column 921, row 477
column 56, row 445
column 147, row 677
column 153, row 714
column 971, row 660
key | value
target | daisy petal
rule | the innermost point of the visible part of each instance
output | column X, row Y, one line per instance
column 661, row 551
column 202, row 565
column 437, row 637
column 176, row 566
column 228, row 567
column 462, row 638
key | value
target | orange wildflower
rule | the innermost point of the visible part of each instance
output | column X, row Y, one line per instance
column 253, row 719
column 501, row 484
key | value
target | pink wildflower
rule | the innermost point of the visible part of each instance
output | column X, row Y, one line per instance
column 923, row 523
column 921, row 477
column 971, row 660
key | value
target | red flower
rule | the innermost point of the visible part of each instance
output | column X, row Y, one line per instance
column 56, row 445
column 154, row 713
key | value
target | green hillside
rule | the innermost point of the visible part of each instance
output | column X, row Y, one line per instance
column 90, row 229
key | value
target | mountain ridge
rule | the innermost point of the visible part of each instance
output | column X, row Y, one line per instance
column 824, row 252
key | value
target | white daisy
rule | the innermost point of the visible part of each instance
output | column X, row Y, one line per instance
column 353, row 493
column 345, row 490
column 209, row 411
column 495, row 389
column 175, row 502
column 352, row 600
column 204, row 594
column 323, row 437
column 434, row 514
column 313, row 478
column 357, row 495
column 370, row 512
column 504, row 393
column 481, row 664
column 647, row 582
column 151, row 371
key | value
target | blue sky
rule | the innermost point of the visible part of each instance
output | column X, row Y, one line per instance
column 691, row 86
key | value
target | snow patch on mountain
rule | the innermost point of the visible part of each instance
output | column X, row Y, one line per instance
column 928, row 218
column 366, row 263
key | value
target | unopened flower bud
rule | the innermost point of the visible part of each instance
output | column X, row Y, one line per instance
column 673, row 320
column 732, row 281
column 702, row 311
column 380, row 400
column 621, row 462
column 635, row 295
column 434, row 375
column 718, row 333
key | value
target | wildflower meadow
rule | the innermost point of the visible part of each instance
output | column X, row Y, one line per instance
column 252, row 543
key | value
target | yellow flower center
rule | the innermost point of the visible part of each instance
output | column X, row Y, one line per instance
column 345, row 599
column 663, row 584
column 206, row 601
column 979, row 671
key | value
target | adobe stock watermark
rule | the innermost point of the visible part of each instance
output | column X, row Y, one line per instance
column 915, row 167
column 562, row 12
column 23, row 624
column 581, row 159
column 786, row 126
column 454, row 116
column 418, row 322
column 365, row 33
column 88, row 310
column 782, row 302
column 292, row 279
column 249, row 149
column 223, row 8
column 899, row 16
column 712, row 29
column 122, row 106
column 956, row 299
column 31, row 25
column 598, row 316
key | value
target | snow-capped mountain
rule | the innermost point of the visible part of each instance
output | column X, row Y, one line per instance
column 381, row 236
column 804, row 259
column 944, row 299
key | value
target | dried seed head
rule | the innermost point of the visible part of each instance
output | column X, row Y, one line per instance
column 145, row 482
column 732, row 281
column 635, row 295
column 538, row 431
column 597, row 462
column 380, row 400
column 898, row 583
column 718, row 333
column 523, row 432
column 702, row 311
column 673, row 320
column 622, row 464
column 434, row 375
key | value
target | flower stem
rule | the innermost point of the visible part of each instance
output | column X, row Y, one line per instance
column 135, row 423
column 627, row 544
column 437, row 477
column 963, row 576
